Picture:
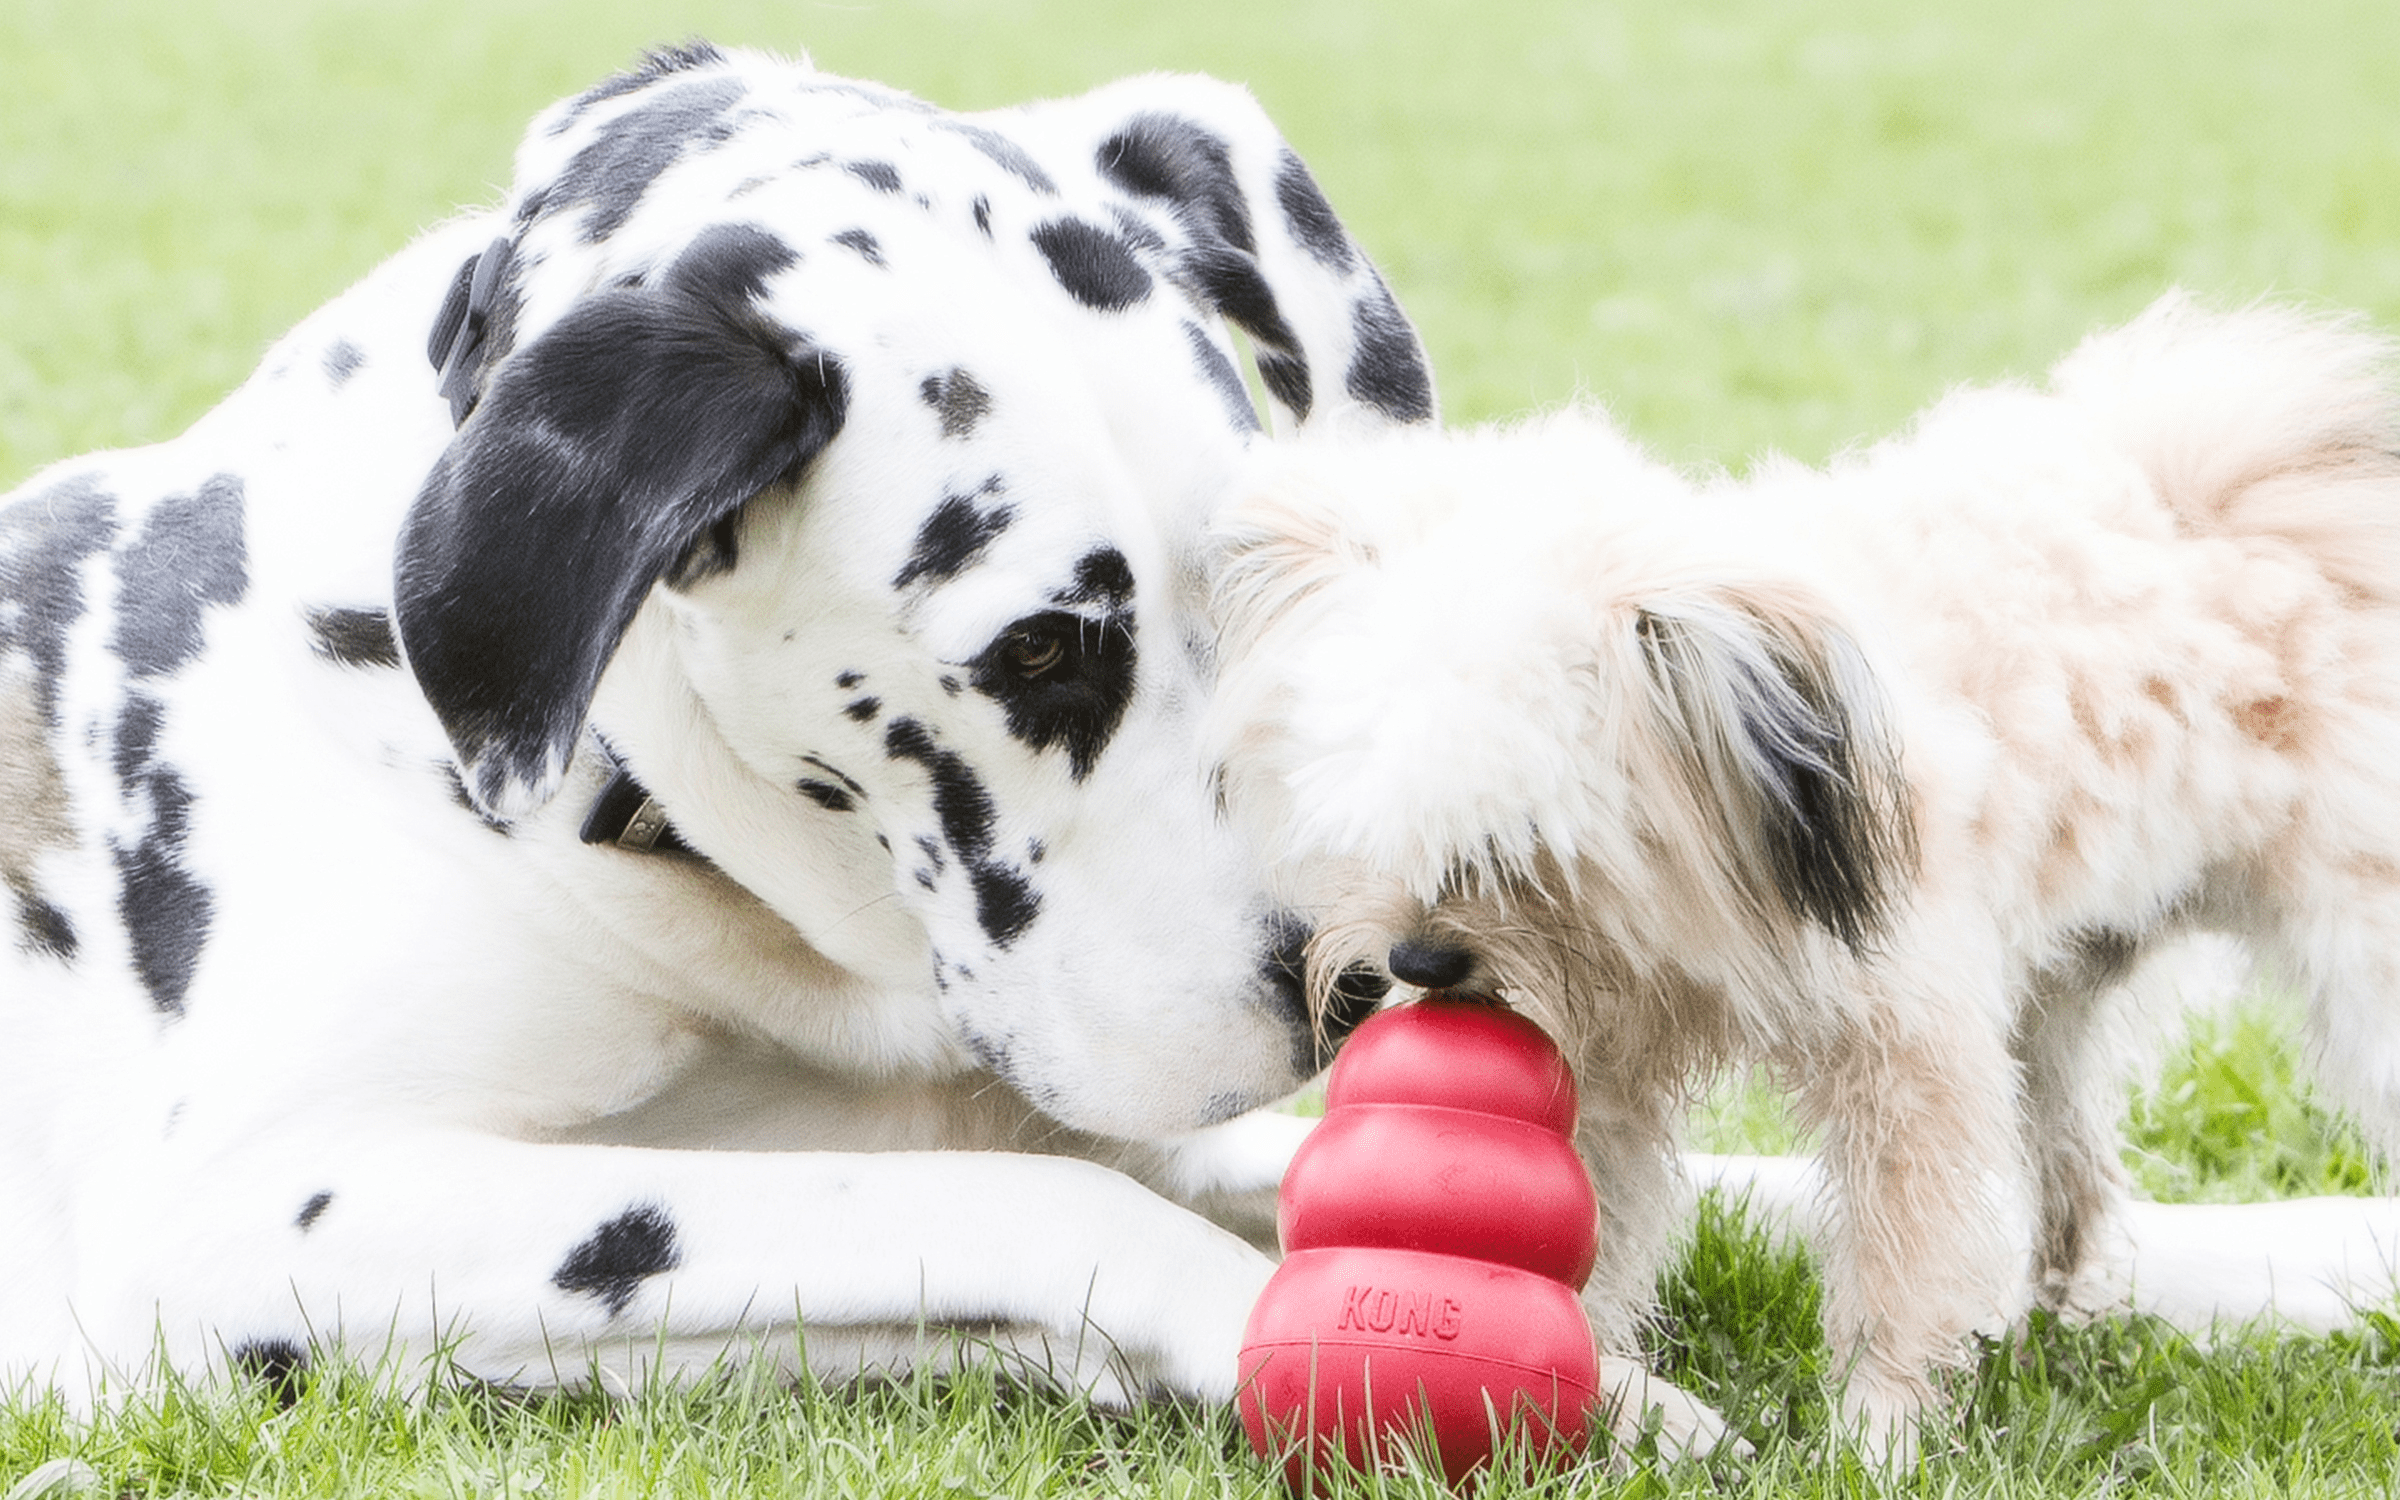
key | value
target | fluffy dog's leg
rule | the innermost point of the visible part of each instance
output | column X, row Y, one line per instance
column 2068, row 1114
column 1626, row 1137
column 1930, row 1231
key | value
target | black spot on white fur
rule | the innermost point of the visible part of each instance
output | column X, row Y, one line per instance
column 278, row 1362
column 1102, row 576
column 601, row 453
column 848, row 782
column 1388, row 372
column 609, row 176
column 619, row 1256
column 190, row 555
column 1005, row 902
column 1168, row 158
column 165, row 908
column 45, row 538
column 343, row 359
column 1006, row 152
column 137, row 729
column 825, row 794
column 1218, row 370
column 1310, row 217
column 353, row 637
column 311, row 1211
column 960, row 401
column 1229, row 281
column 882, row 176
column 1096, row 267
column 42, row 928
column 863, row 243
column 954, row 536
column 656, row 64
column 47, row 542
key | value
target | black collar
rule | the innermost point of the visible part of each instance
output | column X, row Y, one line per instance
column 626, row 816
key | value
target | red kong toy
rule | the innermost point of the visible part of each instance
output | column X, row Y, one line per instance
column 1435, row 1229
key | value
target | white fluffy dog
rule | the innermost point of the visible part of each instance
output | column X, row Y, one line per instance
column 1885, row 776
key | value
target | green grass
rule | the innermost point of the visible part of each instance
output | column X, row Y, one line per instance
column 2125, row 1407
column 1744, row 223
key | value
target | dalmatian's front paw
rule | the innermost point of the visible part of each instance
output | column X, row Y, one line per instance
column 1208, row 1304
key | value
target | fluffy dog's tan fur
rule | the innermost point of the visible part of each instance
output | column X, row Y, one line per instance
column 1884, row 775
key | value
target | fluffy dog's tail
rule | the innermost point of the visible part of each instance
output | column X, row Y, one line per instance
column 2269, row 420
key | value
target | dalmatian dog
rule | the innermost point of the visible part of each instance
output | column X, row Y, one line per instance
column 675, row 825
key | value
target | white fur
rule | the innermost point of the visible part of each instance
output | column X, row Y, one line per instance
column 2098, row 665
column 864, row 1117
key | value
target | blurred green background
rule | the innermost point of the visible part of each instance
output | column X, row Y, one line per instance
column 1741, row 222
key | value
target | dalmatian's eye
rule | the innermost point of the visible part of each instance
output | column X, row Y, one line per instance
column 1034, row 651
column 1063, row 678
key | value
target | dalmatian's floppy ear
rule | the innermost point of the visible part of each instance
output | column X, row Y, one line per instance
column 599, row 458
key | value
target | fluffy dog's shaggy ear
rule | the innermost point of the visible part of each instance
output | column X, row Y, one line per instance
column 600, row 458
column 1780, row 732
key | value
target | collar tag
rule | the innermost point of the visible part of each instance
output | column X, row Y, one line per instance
column 627, row 816
column 643, row 829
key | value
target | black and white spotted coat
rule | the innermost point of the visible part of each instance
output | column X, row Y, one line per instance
column 636, row 786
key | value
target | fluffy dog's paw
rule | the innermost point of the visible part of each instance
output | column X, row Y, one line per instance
column 1880, row 1418
column 1639, row 1402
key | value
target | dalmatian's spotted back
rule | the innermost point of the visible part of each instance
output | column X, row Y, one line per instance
column 548, row 819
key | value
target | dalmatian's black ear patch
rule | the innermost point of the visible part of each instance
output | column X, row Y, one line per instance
column 601, row 454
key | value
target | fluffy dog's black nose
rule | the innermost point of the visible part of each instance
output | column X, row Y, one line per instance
column 1436, row 966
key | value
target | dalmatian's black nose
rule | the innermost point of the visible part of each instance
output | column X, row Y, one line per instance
column 1432, row 964
column 1356, row 993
